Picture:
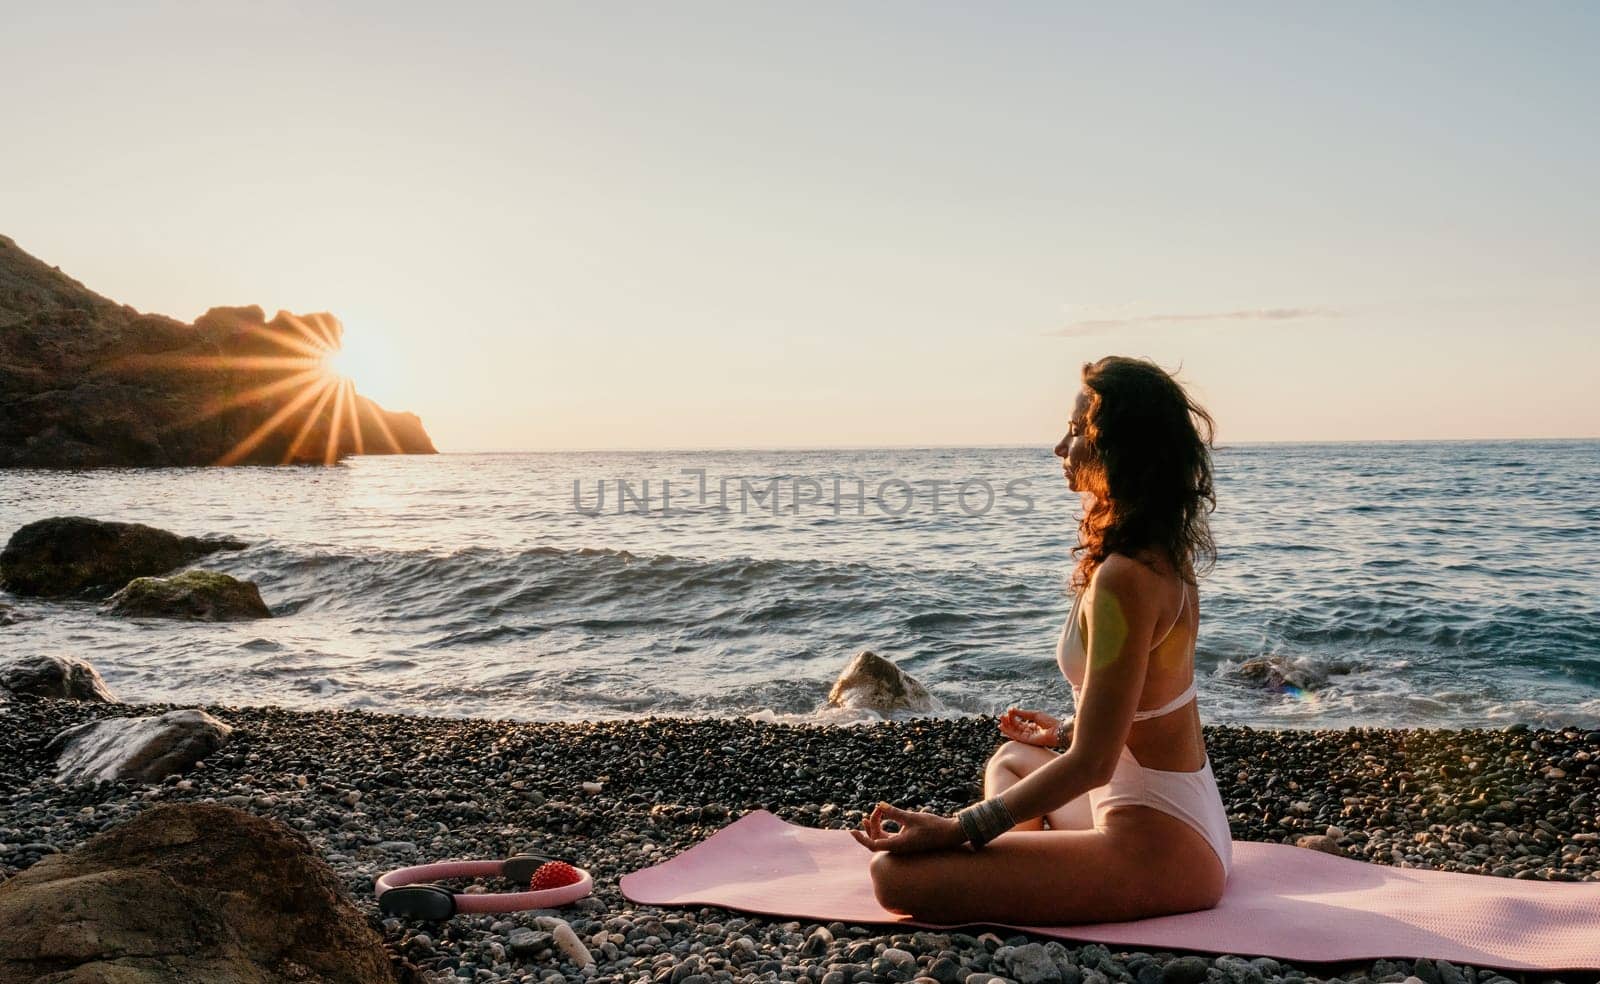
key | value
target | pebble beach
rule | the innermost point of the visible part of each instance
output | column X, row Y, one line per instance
column 586, row 451
column 372, row 792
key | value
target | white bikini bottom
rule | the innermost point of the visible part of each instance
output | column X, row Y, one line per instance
column 1190, row 796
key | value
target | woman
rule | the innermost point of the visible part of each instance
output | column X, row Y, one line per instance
column 1127, row 822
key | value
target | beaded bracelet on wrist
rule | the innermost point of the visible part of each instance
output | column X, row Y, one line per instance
column 983, row 822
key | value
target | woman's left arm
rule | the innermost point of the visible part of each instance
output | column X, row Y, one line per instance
column 1122, row 617
column 1121, row 628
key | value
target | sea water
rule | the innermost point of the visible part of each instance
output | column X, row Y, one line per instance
column 1447, row 584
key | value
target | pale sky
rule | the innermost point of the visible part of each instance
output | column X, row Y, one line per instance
column 760, row 225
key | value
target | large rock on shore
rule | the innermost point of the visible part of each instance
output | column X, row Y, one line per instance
column 193, row 892
column 1283, row 674
column 62, row 677
column 86, row 382
column 136, row 749
column 203, row 596
column 872, row 683
column 71, row 555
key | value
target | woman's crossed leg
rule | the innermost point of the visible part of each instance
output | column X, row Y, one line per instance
column 1072, row 873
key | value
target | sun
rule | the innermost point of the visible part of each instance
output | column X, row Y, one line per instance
column 309, row 382
column 333, row 363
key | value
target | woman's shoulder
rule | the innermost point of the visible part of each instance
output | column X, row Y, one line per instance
column 1128, row 568
column 1137, row 583
column 1125, row 576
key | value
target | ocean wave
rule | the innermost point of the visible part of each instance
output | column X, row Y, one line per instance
column 469, row 592
column 1452, row 583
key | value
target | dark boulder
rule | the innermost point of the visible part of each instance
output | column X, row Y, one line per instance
column 136, row 749
column 73, row 556
column 63, row 677
column 187, row 892
column 203, row 596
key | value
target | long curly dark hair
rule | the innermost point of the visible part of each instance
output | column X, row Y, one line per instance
column 1149, row 471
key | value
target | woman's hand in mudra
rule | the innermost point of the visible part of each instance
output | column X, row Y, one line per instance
column 1033, row 727
column 917, row 831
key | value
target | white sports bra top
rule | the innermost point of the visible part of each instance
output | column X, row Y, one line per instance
column 1070, row 656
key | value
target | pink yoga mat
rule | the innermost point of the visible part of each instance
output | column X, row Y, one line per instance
column 1281, row 901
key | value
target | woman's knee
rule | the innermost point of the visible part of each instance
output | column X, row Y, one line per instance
column 1018, row 757
column 1012, row 761
column 1002, row 755
column 890, row 881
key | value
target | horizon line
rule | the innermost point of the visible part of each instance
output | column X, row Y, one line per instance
column 1220, row 445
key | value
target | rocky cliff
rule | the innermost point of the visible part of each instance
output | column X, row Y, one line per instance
column 87, row 382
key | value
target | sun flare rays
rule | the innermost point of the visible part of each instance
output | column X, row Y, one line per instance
column 318, row 416
column 256, row 394
column 356, row 442
column 295, row 452
column 253, row 440
column 336, row 421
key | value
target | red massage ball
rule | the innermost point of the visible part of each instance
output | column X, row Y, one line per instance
column 553, row 874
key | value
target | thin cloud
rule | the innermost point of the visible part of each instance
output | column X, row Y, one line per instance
column 1100, row 326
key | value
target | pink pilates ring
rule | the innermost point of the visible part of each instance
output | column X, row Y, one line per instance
column 409, row 891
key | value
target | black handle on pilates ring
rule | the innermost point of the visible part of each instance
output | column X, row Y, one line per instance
column 408, row 893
